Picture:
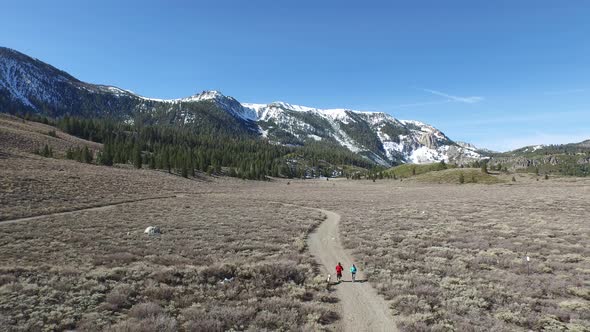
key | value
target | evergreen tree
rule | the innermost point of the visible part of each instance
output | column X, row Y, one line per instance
column 484, row 167
column 86, row 155
column 137, row 160
column 232, row 172
column 166, row 160
column 47, row 152
column 106, row 156
column 152, row 161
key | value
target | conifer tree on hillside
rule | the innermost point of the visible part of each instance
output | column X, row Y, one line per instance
column 184, row 171
column 86, row 155
column 137, row 161
column 170, row 147
column 47, row 151
column 152, row 161
column 166, row 160
column 106, row 156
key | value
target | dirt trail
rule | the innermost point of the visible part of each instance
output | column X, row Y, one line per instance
column 92, row 208
column 362, row 308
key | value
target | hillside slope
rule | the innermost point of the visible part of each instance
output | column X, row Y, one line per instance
column 564, row 159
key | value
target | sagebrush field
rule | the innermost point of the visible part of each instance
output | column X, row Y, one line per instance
column 230, row 256
column 221, row 262
column 453, row 257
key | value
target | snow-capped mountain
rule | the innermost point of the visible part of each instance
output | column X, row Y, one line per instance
column 377, row 135
column 30, row 85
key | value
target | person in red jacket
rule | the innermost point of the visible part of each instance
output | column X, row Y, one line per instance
column 339, row 269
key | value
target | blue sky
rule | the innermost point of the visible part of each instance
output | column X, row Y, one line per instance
column 499, row 74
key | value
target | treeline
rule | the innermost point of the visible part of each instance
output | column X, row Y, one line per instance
column 83, row 155
column 318, row 153
column 185, row 151
column 178, row 150
column 46, row 151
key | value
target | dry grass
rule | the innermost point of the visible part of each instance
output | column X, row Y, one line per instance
column 32, row 185
column 447, row 257
column 98, row 266
column 224, row 260
column 456, row 256
column 26, row 136
column 452, row 257
column 470, row 175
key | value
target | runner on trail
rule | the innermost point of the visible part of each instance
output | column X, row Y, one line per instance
column 339, row 269
column 353, row 272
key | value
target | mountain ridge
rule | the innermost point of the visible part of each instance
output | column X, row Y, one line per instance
column 30, row 85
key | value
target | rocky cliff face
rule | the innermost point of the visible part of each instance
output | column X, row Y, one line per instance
column 429, row 140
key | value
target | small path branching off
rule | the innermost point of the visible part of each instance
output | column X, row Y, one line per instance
column 96, row 207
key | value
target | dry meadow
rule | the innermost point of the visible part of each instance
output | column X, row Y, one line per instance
column 230, row 256
column 220, row 263
column 453, row 257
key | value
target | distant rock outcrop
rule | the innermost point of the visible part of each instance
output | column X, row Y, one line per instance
column 429, row 140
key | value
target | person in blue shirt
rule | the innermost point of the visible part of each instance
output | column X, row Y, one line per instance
column 353, row 272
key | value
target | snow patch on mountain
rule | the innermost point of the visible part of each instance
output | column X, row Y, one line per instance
column 466, row 145
column 417, row 143
column 424, row 154
column 24, row 80
column 314, row 137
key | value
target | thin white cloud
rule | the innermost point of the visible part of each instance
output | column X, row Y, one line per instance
column 564, row 92
column 448, row 99
column 426, row 103
column 466, row 100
